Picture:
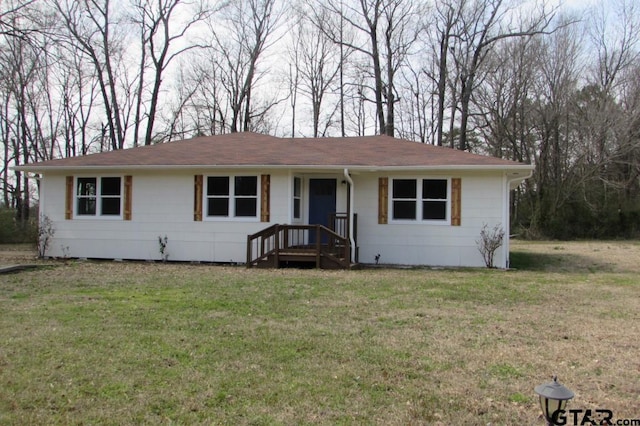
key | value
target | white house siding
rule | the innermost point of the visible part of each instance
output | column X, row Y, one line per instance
column 429, row 244
column 162, row 205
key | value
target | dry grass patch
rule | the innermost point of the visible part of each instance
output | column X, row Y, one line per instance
column 577, row 256
column 130, row 343
column 12, row 254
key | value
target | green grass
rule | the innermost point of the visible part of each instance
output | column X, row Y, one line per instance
column 132, row 343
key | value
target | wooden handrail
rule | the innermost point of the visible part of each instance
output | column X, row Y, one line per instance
column 262, row 237
column 339, row 223
column 277, row 239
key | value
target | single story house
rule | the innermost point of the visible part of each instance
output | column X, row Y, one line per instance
column 252, row 198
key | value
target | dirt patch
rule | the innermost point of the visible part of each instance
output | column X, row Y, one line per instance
column 15, row 254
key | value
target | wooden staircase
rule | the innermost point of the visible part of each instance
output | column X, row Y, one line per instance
column 299, row 246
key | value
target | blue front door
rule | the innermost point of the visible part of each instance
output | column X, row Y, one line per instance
column 322, row 202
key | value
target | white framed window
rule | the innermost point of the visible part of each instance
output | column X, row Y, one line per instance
column 435, row 199
column 404, row 199
column 232, row 196
column 426, row 200
column 297, row 198
column 99, row 196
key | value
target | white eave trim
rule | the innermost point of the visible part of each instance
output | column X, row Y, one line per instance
column 514, row 170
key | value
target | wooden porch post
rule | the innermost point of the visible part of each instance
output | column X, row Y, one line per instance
column 317, row 246
column 249, row 260
column 276, row 247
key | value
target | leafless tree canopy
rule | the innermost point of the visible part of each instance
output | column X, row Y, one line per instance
column 555, row 87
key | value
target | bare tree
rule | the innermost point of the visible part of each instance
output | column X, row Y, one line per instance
column 505, row 99
column 608, row 115
column 332, row 25
column 401, row 31
column 385, row 33
column 358, row 119
column 507, row 118
column 293, row 80
column 555, row 87
column 159, row 32
column 78, row 97
column 209, row 108
column 90, row 28
column 317, row 67
column 6, row 130
column 615, row 37
column 416, row 118
column 11, row 12
column 615, row 34
column 446, row 17
column 180, row 124
column 19, row 70
column 479, row 27
column 246, row 32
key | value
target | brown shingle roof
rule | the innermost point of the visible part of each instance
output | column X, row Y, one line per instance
column 252, row 149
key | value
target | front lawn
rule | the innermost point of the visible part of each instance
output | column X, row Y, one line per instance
column 131, row 343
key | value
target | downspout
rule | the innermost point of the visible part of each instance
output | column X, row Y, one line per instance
column 352, row 242
column 507, row 216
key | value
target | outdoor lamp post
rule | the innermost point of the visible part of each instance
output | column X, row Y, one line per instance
column 553, row 398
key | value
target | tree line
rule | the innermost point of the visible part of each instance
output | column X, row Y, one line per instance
column 529, row 81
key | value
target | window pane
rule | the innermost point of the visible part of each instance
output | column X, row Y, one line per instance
column 218, row 185
column 86, row 206
column 296, row 187
column 86, row 186
column 296, row 208
column 110, row 186
column 246, row 207
column 111, row 206
column 297, row 197
column 434, row 189
column 404, row 188
column 218, row 207
column 404, row 209
column 434, row 210
column 246, row 185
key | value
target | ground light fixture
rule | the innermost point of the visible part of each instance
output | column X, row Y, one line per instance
column 553, row 400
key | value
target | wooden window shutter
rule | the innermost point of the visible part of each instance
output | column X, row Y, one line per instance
column 456, row 201
column 265, row 187
column 128, row 180
column 68, row 199
column 383, row 200
column 197, row 198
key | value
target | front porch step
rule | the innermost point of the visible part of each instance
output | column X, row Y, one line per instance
column 304, row 260
column 330, row 250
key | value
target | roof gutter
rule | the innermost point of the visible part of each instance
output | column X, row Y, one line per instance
column 520, row 178
column 352, row 241
column 510, row 184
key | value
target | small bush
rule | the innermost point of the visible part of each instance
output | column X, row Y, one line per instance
column 490, row 241
column 45, row 234
column 162, row 247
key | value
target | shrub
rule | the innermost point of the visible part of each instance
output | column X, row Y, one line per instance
column 162, row 247
column 490, row 241
column 45, row 234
